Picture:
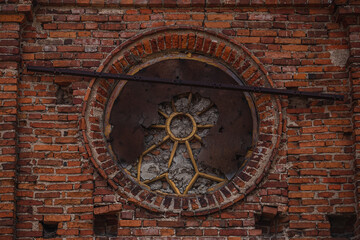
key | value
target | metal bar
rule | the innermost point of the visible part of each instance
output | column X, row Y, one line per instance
column 186, row 83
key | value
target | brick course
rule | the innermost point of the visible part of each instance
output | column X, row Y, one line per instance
column 50, row 174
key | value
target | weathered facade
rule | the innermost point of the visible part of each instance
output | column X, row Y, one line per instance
column 59, row 175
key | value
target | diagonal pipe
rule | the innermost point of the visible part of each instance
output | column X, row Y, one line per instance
column 273, row 91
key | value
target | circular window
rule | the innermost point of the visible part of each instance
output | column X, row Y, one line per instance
column 180, row 148
column 181, row 140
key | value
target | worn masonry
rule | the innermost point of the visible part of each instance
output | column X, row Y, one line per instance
column 94, row 158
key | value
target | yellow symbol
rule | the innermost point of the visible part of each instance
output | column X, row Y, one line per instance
column 170, row 136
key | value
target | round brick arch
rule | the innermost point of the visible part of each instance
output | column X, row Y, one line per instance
column 190, row 41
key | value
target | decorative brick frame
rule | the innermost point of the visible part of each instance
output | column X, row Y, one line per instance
column 172, row 40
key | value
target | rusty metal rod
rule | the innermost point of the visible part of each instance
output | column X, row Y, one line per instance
column 83, row 73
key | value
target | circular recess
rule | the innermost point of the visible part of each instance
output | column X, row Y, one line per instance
column 201, row 138
column 220, row 153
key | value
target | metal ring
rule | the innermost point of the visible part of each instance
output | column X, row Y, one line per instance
column 172, row 136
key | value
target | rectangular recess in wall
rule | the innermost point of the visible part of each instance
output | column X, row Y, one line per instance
column 106, row 225
column 342, row 225
column 49, row 230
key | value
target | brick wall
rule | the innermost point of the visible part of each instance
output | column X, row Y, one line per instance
column 50, row 176
column 10, row 26
column 352, row 22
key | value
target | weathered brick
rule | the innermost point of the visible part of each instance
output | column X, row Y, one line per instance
column 56, row 218
column 12, row 18
column 45, row 146
column 130, row 223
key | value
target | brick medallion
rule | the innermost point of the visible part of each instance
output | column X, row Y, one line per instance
column 187, row 44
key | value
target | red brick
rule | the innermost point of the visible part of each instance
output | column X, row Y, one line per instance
column 137, row 17
column 73, row 26
column 310, row 69
column 297, row 48
column 310, row 187
column 47, row 148
column 301, row 194
column 56, row 218
column 330, row 165
column 7, row 159
column 79, row 209
column 47, row 178
column 147, row 232
column 189, row 232
column 217, row 24
column 232, row 232
column 220, row 17
column 94, row 18
column 59, row 34
column 130, row 223
column 12, row 18
column 167, row 232
column 177, row 16
column 262, row 33
column 302, row 225
column 255, row 232
column 345, row 209
column 248, row 39
column 50, row 210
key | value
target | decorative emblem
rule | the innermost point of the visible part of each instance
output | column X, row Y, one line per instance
column 181, row 127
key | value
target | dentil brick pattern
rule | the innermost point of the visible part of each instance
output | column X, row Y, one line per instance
column 47, row 177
